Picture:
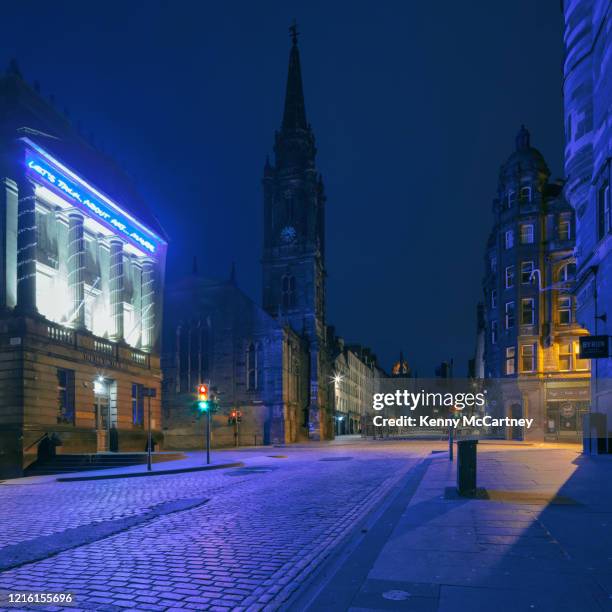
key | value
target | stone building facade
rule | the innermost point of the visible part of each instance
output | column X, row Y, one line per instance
column 587, row 89
column 255, row 364
column 530, row 329
column 81, row 273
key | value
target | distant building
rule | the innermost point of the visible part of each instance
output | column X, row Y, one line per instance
column 531, row 332
column 81, row 278
column 257, row 366
column 355, row 380
column 587, row 88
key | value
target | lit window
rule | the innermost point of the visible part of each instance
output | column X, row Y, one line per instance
column 509, row 239
column 509, row 277
column 565, row 310
column 567, row 272
column 527, row 311
column 494, row 298
column 65, row 396
column 527, row 358
column 565, row 228
column 604, row 211
column 137, row 405
column 527, row 233
column 527, row 268
column 510, row 359
column 581, row 364
column 493, row 332
column 565, row 356
column 509, row 315
column 525, row 194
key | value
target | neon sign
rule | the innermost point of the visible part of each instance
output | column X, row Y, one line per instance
column 72, row 189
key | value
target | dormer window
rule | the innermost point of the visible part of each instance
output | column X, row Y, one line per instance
column 525, row 194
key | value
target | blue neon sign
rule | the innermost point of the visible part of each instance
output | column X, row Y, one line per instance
column 95, row 206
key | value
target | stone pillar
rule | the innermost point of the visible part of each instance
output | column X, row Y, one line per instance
column 147, row 315
column 116, row 288
column 26, row 247
column 76, row 269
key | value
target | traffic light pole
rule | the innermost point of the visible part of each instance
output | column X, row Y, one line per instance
column 208, row 434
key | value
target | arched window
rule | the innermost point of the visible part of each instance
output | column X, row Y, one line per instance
column 251, row 367
column 525, row 194
column 288, row 292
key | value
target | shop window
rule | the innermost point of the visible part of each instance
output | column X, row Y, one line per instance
column 65, row 396
column 527, row 233
column 528, row 358
column 510, row 359
column 527, row 311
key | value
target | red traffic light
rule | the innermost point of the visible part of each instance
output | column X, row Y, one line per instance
column 203, row 393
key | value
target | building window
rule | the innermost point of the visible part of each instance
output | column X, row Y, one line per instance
column 525, row 194
column 528, row 355
column 65, row 396
column 604, row 212
column 493, row 263
column 252, row 367
column 565, row 228
column 565, row 356
column 510, row 359
column 494, row 298
column 137, row 405
column 509, row 315
column 509, row 277
column 288, row 292
column 527, row 268
column 527, row 233
column 509, row 239
column 493, row 332
column 581, row 364
column 527, row 311
column 567, row 272
column 565, row 310
column 511, row 198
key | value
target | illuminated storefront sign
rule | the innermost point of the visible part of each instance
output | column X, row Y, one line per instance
column 97, row 207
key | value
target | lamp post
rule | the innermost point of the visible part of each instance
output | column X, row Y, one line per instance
column 149, row 392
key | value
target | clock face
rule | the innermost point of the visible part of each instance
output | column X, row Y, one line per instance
column 288, row 234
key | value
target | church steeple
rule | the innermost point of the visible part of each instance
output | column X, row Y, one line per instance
column 294, row 116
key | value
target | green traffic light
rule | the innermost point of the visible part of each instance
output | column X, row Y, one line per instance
column 203, row 406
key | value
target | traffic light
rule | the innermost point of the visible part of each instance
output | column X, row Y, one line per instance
column 235, row 416
column 203, row 398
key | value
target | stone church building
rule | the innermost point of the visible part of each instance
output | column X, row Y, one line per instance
column 271, row 364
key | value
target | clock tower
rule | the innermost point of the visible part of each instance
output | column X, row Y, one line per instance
column 294, row 240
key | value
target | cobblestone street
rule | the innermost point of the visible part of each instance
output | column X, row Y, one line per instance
column 241, row 538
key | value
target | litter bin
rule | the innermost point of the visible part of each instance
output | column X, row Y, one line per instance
column 466, row 467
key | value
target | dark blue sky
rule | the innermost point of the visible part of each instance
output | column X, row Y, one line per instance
column 414, row 106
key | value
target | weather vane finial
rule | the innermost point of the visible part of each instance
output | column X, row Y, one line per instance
column 293, row 32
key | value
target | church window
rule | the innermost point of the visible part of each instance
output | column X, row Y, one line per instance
column 288, row 292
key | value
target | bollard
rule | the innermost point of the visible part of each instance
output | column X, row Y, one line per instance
column 466, row 467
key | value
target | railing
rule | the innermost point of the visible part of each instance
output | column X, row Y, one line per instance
column 60, row 334
column 139, row 358
column 102, row 346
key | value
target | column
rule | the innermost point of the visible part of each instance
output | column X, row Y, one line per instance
column 26, row 247
column 116, row 288
column 147, row 315
column 76, row 269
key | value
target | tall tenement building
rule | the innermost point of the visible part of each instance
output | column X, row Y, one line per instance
column 81, row 276
column 531, row 332
column 587, row 88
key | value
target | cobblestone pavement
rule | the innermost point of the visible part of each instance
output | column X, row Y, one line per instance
column 261, row 531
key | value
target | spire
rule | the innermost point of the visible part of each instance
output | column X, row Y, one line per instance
column 522, row 139
column 294, row 116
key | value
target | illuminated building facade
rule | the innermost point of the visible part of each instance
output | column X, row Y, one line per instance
column 587, row 89
column 355, row 380
column 531, row 334
column 82, row 268
column 255, row 364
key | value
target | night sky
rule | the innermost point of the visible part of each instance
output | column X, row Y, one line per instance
column 414, row 107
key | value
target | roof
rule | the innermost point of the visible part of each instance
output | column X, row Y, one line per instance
column 24, row 112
